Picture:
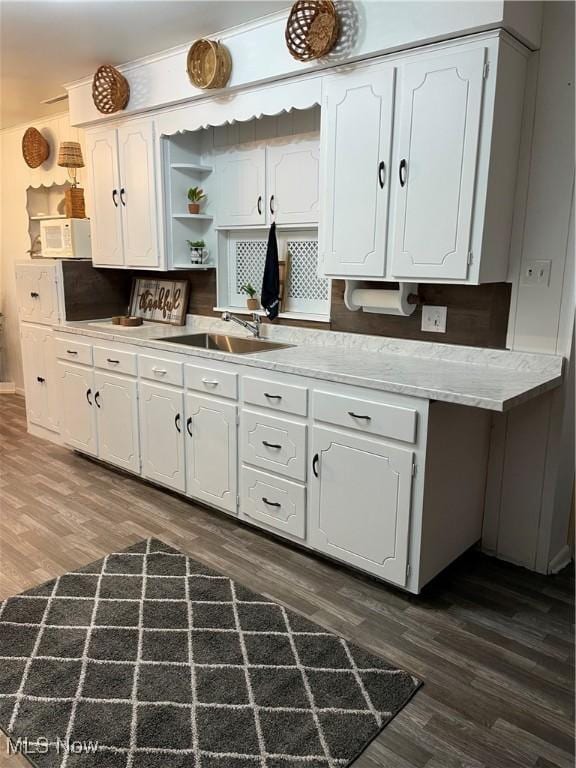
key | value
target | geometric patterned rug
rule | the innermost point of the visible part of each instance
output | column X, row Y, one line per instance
column 149, row 659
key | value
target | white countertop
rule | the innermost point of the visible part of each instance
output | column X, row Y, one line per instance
column 496, row 380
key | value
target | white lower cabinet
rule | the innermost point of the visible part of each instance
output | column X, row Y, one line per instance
column 42, row 402
column 78, row 423
column 360, row 496
column 116, row 401
column 161, row 411
column 273, row 502
column 211, row 451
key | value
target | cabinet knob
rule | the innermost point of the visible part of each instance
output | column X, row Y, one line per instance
column 177, row 422
column 276, row 446
column 88, row 393
column 315, row 465
column 359, row 416
column 115, row 197
column 271, row 503
column 34, row 294
column 272, row 206
column 259, row 205
column 96, row 396
column 40, row 380
column 402, row 172
column 122, row 193
column 189, row 425
column 381, row 173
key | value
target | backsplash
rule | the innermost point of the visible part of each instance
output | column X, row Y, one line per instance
column 477, row 315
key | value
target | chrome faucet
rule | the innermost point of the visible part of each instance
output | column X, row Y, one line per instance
column 254, row 327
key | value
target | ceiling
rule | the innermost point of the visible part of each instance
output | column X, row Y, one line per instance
column 44, row 43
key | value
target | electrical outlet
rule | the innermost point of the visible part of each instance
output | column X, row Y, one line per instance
column 537, row 273
column 434, row 319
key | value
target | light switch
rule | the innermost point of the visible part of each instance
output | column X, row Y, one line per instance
column 537, row 273
column 434, row 319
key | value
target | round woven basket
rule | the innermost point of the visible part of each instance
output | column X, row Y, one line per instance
column 312, row 29
column 110, row 90
column 209, row 64
column 35, row 148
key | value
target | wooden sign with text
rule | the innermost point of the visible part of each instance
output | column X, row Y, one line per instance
column 162, row 301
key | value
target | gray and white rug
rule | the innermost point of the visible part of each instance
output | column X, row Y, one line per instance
column 149, row 659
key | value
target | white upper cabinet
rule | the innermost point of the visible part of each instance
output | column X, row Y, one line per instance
column 241, row 187
column 357, row 119
column 104, row 198
column 122, row 196
column 36, row 286
column 292, row 182
column 138, row 194
column 436, row 154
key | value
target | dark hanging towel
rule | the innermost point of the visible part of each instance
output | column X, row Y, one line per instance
column 270, row 294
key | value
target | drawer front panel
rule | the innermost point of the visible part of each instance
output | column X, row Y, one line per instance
column 157, row 369
column 74, row 351
column 211, row 381
column 366, row 415
column 273, row 502
column 115, row 360
column 275, row 395
column 278, row 445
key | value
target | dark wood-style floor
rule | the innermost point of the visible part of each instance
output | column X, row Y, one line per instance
column 493, row 643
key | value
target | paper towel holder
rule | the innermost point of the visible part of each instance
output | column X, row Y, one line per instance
column 402, row 300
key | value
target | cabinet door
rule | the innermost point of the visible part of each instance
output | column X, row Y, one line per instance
column 161, row 434
column 116, row 403
column 360, row 502
column 138, row 194
column 211, row 451
column 293, row 183
column 103, row 186
column 78, row 421
column 357, row 114
column 37, row 293
column 241, row 187
column 39, row 376
column 437, row 148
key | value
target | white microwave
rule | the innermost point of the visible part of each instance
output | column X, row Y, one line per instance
column 65, row 238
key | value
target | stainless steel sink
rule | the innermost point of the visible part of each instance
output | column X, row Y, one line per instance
column 236, row 345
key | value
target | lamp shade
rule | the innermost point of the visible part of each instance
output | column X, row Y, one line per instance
column 70, row 155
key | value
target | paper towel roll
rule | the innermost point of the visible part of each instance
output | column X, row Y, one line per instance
column 382, row 301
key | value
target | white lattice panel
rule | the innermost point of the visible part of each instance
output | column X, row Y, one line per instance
column 303, row 280
column 250, row 260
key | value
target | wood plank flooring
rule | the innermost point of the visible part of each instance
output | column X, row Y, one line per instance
column 493, row 643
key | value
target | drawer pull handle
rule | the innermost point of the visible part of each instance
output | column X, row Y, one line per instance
column 160, row 371
column 96, row 396
column 177, row 422
column 210, row 382
column 272, row 397
column 40, row 380
column 359, row 416
column 315, row 465
column 116, row 362
column 271, row 445
column 271, row 503
column 88, row 393
column 34, row 294
column 189, row 425
column 71, row 352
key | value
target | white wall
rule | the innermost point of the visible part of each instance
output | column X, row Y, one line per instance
column 14, row 239
column 532, row 462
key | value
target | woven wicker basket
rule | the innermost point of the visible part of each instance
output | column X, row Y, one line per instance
column 35, row 148
column 312, row 29
column 209, row 64
column 110, row 90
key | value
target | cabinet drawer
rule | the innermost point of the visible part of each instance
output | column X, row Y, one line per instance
column 212, row 381
column 273, row 502
column 366, row 415
column 157, row 369
column 115, row 360
column 278, row 445
column 275, row 395
column 74, row 351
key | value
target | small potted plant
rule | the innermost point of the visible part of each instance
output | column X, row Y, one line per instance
column 198, row 251
column 251, row 302
column 195, row 196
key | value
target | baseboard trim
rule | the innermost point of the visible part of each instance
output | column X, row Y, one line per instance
column 7, row 388
column 561, row 560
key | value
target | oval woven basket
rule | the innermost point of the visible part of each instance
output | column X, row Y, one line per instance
column 209, row 64
column 35, row 148
column 110, row 90
column 312, row 29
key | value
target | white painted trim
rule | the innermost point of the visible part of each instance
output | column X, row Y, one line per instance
column 7, row 388
column 560, row 560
